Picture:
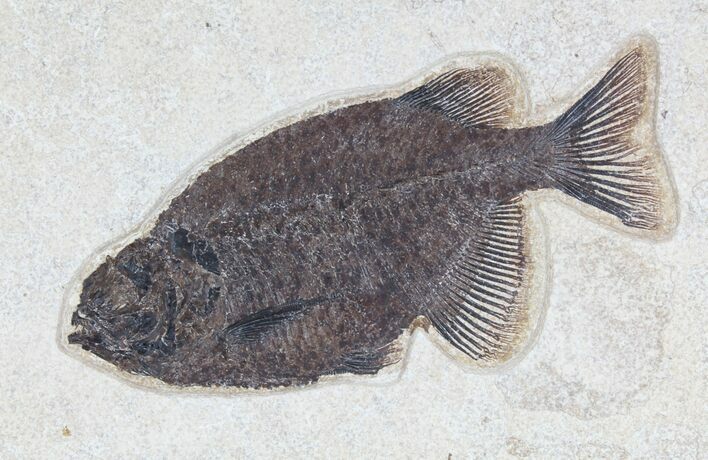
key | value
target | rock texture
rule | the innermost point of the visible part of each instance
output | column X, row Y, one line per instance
column 312, row 250
column 102, row 106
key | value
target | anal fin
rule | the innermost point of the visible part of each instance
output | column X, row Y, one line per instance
column 481, row 307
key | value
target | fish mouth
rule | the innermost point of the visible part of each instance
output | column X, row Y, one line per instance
column 83, row 337
column 118, row 334
column 93, row 334
column 94, row 326
column 137, row 352
column 84, row 320
column 88, row 332
column 89, row 341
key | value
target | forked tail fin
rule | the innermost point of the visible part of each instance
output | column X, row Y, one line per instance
column 605, row 153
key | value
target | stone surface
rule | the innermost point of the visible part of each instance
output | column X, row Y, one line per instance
column 103, row 106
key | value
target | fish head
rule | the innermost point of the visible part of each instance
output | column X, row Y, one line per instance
column 125, row 314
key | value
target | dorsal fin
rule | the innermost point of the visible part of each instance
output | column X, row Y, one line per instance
column 477, row 98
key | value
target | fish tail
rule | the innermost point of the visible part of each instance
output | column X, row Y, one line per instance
column 604, row 151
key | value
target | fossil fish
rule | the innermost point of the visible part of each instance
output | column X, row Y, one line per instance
column 315, row 249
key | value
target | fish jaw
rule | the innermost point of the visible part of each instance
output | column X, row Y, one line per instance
column 118, row 316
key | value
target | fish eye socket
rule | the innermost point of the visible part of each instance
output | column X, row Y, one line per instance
column 140, row 275
column 185, row 246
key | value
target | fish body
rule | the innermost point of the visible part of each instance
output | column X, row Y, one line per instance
column 314, row 249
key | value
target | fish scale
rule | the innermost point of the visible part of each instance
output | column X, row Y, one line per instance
column 316, row 249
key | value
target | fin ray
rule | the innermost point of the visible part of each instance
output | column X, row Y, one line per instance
column 477, row 98
column 598, row 154
column 253, row 326
column 370, row 361
column 481, row 307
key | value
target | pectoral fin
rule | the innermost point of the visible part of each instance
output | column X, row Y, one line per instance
column 252, row 327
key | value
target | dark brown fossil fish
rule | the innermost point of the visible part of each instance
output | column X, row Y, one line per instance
column 313, row 250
